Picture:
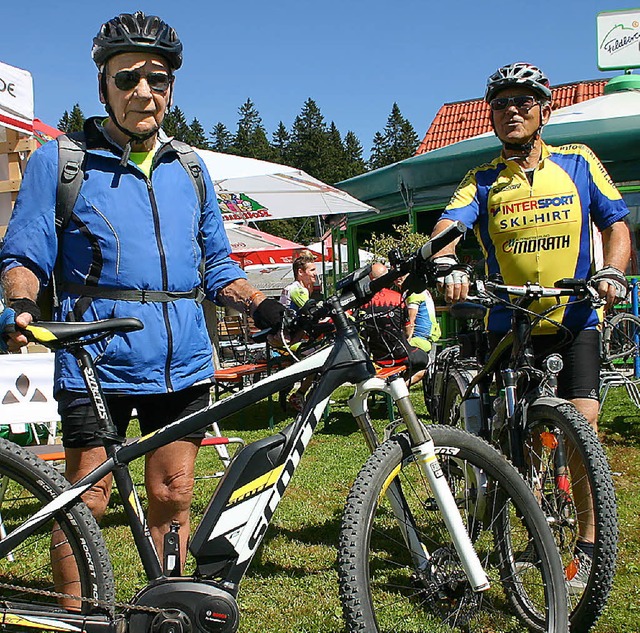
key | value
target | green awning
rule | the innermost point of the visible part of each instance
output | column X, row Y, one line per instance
column 431, row 177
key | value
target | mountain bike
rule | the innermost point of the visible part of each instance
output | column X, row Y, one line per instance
column 620, row 355
column 545, row 437
column 438, row 528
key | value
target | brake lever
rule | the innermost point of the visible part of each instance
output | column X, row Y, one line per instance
column 596, row 300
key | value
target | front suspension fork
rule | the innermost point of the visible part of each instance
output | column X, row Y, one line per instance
column 425, row 456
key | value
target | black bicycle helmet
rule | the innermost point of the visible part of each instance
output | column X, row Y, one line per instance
column 518, row 74
column 137, row 32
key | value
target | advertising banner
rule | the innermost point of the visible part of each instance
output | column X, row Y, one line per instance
column 618, row 35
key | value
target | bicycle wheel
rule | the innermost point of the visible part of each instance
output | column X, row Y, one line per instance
column 454, row 390
column 27, row 576
column 433, row 387
column 564, row 498
column 620, row 338
column 382, row 590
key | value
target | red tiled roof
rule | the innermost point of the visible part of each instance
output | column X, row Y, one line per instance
column 463, row 119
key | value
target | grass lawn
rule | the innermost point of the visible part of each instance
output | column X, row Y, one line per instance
column 292, row 584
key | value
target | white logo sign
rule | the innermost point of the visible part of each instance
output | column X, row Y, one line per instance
column 16, row 98
column 618, row 39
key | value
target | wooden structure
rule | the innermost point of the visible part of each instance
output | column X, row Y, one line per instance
column 15, row 150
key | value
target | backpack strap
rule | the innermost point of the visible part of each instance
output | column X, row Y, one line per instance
column 189, row 160
column 72, row 150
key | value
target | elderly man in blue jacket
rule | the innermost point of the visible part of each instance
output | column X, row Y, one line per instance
column 139, row 243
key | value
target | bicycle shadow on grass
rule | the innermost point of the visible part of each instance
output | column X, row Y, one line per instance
column 622, row 430
column 325, row 533
column 340, row 422
column 620, row 420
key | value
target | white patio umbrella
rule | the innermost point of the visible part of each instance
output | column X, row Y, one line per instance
column 255, row 190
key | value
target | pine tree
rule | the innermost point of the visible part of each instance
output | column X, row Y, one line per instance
column 280, row 144
column 355, row 163
column 175, row 124
column 336, row 156
column 73, row 122
column 63, row 123
column 379, row 151
column 260, row 146
column 76, row 119
column 249, row 120
column 397, row 142
column 222, row 139
column 197, row 137
column 250, row 139
column 309, row 141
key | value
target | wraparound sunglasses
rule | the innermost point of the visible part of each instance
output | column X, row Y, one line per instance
column 522, row 102
column 129, row 79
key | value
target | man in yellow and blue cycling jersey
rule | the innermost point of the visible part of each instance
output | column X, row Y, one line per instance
column 533, row 209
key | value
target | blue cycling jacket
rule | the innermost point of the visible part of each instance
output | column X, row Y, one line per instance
column 131, row 232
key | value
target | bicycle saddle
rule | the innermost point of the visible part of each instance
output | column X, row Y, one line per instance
column 466, row 310
column 59, row 334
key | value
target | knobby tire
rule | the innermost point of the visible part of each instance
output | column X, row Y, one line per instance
column 594, row 472
column 26, row 485
column 380, row 588
column 582, row 441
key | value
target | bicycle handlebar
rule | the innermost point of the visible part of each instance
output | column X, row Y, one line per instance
column 358, row 288
column 564, row 288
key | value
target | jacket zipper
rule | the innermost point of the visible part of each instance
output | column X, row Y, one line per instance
column 165, row 285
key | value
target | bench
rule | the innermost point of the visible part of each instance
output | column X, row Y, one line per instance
column 226, row 380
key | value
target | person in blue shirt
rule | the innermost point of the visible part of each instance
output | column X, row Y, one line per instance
column 422, row 327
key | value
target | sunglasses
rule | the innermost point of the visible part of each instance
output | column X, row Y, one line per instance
column 129, row 79
column 522, row 102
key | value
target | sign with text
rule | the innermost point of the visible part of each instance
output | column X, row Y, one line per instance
column 618, row 39
column 16, row 99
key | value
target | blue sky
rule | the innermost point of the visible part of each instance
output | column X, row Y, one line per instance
column 354, row 57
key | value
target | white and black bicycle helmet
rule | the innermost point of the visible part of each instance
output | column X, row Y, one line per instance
column 518, row 74
column 527, row 76
column 135, row 33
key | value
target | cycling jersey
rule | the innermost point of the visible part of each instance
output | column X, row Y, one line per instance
column 540, row 231
column 294, row 296
column 383, row 320
column 426, row 329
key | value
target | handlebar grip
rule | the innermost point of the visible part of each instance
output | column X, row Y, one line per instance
column 438, row 242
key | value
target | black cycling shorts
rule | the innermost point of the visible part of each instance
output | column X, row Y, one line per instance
column 580, row 375
column 79, row 424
